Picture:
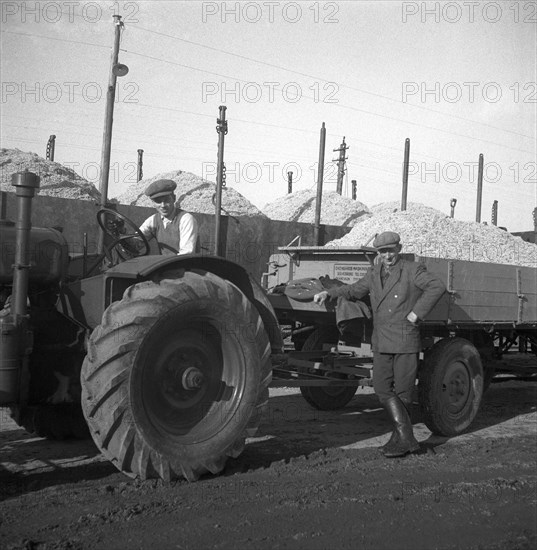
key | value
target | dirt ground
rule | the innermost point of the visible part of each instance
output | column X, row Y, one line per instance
column 309, row 479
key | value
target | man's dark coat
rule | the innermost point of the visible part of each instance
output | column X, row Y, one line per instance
column 410, row 287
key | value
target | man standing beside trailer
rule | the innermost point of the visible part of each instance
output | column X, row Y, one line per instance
column 402, row 293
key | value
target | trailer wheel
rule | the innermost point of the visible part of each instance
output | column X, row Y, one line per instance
column 451, row 386
column 176, row 377
column 325, row 398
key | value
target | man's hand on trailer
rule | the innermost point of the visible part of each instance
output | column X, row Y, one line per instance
column 321, row 297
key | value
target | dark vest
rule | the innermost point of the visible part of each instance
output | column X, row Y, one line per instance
column 169, row 237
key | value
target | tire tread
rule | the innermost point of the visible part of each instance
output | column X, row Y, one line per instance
column 106, row 373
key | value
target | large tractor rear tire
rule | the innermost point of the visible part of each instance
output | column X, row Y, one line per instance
column 451, row 386
column 325, row 398
column 176, row 377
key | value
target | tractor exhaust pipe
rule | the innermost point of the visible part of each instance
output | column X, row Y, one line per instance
column 14, row 327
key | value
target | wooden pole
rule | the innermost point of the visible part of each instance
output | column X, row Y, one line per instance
column 108, row 120
column 452, row 203
column 341, row 166
column 221, row 129
column 140, row 172
column 479, row 190
column 405, row 174
column 51, row 147
column 320, row 175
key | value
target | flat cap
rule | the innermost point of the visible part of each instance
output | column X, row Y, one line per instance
column 388, row 239
column 160, row 188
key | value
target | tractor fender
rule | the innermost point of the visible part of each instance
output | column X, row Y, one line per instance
column 149, row 267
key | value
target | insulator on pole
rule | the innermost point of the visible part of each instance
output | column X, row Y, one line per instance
column 50, row 147
column 341, row 166
column 494, row 219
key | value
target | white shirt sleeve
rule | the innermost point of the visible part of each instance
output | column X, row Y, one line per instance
column 149, row 227
column 188, row 231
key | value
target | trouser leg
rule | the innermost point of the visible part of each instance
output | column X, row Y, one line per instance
column 405, row 368
column 394, row 378
column 383, row 376
column 383, row 382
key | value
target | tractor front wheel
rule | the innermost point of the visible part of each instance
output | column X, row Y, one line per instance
column 176, row 377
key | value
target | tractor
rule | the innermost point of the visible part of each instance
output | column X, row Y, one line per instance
column 164, row 360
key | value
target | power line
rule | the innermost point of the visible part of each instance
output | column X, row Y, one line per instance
column 30, row 35
column 343, row 106
column 353, row 108
column 280, row 67
column 310, row 76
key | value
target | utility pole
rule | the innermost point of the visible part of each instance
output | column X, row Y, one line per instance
column 479, row 190
column 108, row 120
column 340, row 166
column 320, row 176
column 535, row 219
column 50, row 147
column 221, row 130
column 405, row 174
column 140, row 173
column 289, row 182
column 353, row 190
column 452, row 203
column 494, row 219
column 109, row 114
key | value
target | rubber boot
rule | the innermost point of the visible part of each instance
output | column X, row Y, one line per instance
column 393, row 438
column 409, row 406
column 395, row 434
column 404, row 441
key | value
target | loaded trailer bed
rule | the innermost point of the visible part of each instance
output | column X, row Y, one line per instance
column 487, row 310
column 477, row 292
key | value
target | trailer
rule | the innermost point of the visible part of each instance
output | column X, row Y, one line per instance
column 487, row 311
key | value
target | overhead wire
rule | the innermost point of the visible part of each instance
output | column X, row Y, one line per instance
column 316, row 77
column 268, row 124
column 342, row 106
column 338, row 105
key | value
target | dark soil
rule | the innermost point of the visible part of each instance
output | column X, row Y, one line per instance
column 310, row 479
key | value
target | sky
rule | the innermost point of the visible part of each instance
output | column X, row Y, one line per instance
column 458, row 79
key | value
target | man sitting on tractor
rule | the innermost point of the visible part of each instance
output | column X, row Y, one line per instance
column 175, row 230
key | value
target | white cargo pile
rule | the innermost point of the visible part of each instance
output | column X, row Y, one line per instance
column 395, row 206
column 300, row 207
column 56, row 180
column 427, row 232
column 194, row 194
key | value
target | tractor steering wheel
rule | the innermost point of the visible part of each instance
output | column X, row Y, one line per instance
column 126, row 245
